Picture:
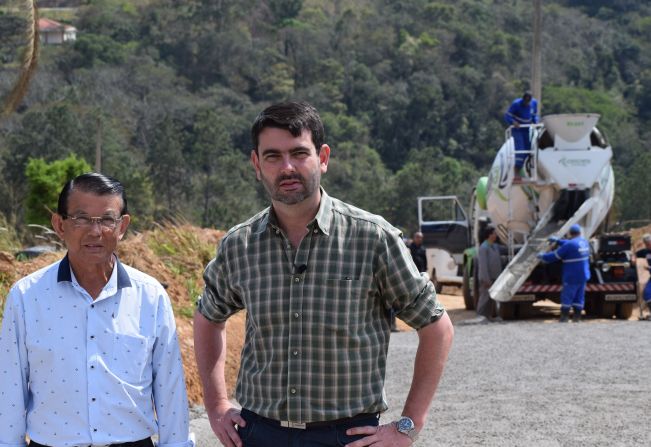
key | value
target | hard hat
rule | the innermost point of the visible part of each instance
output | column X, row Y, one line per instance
column 575, row 229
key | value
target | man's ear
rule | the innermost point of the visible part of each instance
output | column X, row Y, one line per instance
column 255, row 161
column 324, row 158
column 124, row 224
column 57, row 224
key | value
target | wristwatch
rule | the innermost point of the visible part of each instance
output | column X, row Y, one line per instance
column 407, row 427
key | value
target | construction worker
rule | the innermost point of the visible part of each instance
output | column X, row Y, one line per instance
column 575, row 255
column 489, row 268
column 523, row 111
column 646, row 253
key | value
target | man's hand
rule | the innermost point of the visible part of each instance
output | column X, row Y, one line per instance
column 383, row 436
column 552, row 239
column 222, row 421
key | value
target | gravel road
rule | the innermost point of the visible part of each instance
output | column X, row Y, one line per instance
column 529, row 383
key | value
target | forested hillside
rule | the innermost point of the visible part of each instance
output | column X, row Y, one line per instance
column 412, row 93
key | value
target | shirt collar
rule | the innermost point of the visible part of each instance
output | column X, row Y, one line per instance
column 65, row 273
column 322, row 218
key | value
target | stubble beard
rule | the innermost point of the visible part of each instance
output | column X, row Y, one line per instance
column 291, row 197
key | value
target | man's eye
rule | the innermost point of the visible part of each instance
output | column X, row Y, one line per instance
column 108, row 221
column 83, row 220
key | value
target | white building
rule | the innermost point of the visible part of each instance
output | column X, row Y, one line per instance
column 55, row 33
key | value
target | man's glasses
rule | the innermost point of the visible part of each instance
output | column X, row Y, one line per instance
column 107, row 222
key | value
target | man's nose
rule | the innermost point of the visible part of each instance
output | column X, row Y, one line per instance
column 287, row 163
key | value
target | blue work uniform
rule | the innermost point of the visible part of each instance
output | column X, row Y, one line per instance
column 646, row 253
column 523, row 114
column 575, row 255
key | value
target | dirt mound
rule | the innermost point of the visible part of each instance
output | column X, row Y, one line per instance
column 176, row 256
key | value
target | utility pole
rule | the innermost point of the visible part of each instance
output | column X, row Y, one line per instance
column 98, row 146
column 536, row 54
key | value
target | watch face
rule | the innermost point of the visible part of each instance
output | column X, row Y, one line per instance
column 405, row 425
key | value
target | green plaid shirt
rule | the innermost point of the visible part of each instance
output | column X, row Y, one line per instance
column 317, row 325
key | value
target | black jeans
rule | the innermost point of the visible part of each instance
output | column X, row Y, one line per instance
column 260, row 432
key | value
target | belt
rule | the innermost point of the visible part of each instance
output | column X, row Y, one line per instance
column 147, row 442
column 309, row 425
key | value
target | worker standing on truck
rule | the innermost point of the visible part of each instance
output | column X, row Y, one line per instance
column 646, row 253
column 523, row 111
column 575, row 255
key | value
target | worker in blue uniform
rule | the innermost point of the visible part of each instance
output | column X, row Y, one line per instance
column 575, row 255
column 523, row 111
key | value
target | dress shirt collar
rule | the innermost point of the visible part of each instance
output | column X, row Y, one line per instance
column 65, row 273
column 321, row 220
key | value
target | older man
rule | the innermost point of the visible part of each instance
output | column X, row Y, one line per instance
column 317, row 277
column 89, row 349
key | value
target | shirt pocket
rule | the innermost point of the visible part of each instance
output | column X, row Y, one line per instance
column 131, row 358
column 346, row 304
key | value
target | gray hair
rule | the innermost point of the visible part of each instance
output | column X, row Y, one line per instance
column 646, row 238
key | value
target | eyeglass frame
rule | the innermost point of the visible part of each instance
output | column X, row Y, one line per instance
column 93, row 220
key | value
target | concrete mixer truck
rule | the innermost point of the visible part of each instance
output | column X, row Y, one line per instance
column 567, row 179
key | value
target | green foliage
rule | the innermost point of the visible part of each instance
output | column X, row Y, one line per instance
column 45, row 181
column 169, row 89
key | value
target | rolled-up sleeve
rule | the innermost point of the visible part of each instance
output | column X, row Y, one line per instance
column 170, row 397
column 409, row 292
column 14, row 374
column 218, row 301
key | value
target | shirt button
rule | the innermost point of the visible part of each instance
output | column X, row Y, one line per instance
column 93, row 399
column 292, row 390
column 92, row 306
column 316, row 230
column 295, row 352
column 296, row 315
column 297, row 279
column 92, row 366
column 92, row 337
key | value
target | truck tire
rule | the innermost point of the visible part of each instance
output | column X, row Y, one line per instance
column 624, row 311
column 466, row 288
column 475, row 283
column 507, row 311
column 607, row 309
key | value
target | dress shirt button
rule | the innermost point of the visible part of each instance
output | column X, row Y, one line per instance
column 92, row 366
column 297, row 279
column 92, row 306
column 277, row 231
column 316, row 230
column 292, row 390
column 295, row 352
column 296, row 315
column 92, row 337
column 93, row 399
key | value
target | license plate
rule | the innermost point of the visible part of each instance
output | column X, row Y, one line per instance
column 523, row 298
column 620, row 297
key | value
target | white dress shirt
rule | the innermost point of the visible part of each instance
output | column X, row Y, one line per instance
column 78, row 372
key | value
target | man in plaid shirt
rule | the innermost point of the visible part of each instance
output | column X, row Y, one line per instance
column 318, row 278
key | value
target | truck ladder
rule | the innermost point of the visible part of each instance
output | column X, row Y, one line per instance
column 520, row 267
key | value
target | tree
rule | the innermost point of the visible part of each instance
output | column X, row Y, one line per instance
column 45, row 181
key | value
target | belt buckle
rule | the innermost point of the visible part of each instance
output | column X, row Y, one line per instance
column 291, row 424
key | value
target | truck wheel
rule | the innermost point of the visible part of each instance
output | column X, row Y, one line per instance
column 475, row 283
column 607, row 309
column 624, row 311
column 467, row 290
column 507, row 311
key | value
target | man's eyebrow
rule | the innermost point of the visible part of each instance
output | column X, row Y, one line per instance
column 272, row 150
